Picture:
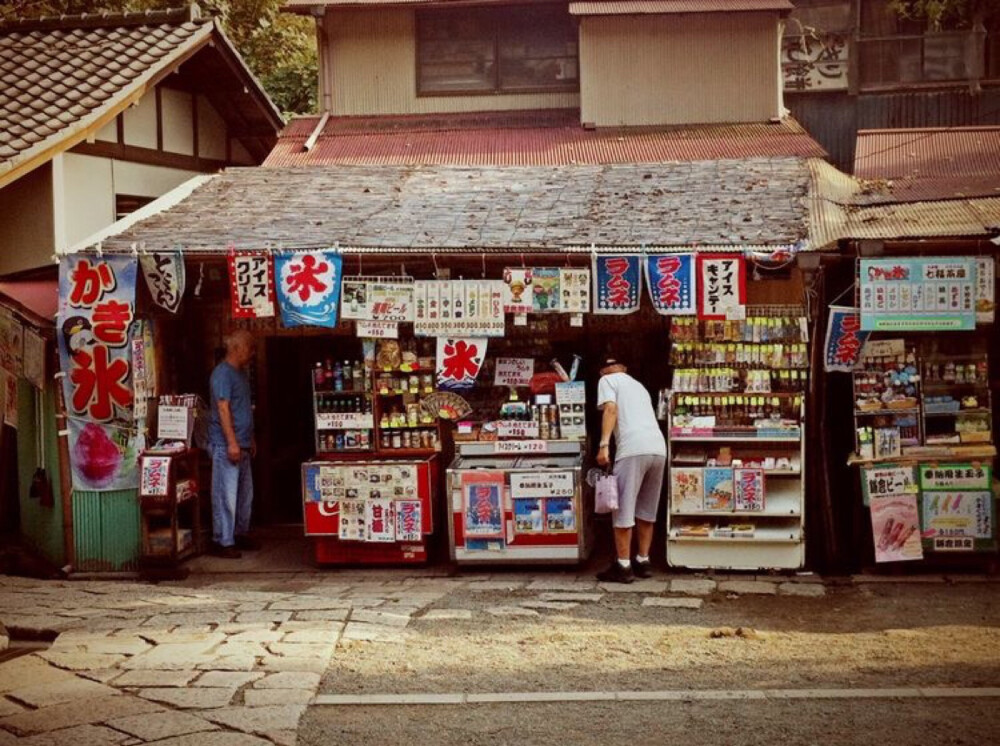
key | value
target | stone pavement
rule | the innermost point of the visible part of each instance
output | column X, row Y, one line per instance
column 235, row 660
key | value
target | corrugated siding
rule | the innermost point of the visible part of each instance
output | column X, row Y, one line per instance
column 679, row 69
column 623, row 7
column 106, row 530
column 371, row 63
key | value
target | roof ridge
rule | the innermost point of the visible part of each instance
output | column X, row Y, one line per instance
column 187, row 14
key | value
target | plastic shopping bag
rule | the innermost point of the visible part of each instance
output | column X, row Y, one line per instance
column 606, row 493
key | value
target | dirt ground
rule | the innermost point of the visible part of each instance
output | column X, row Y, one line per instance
column 855, row 636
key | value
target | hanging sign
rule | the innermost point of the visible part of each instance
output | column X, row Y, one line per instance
column 34, row 359
column 459, row 362
column 887, row 481
column 154, row 472
column 958, row 514
column 391, row 301
column 671, row 282
column 514, row 371
column 844, row 340
column 308, row 284
column 251, row 284
column 722, row 286
column 453, row 308
column 545, row 289
column 985, row 289
column 380, row 521
column 165, row 278
column 482, row 502
column 517, row 290
column 956, row 476
column 574, row 290
column 542, row 484
column 11, row 343
column 8, row 398
column 408, row 520
column 925, row 294
column 617, row 283
column 896, row 528
column 377, row 329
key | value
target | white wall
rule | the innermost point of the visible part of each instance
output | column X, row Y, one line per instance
column 211, row 132
column 26, row 227
column 140, row 122
column 178, row 121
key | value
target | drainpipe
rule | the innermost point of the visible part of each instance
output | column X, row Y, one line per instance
column 325, row 95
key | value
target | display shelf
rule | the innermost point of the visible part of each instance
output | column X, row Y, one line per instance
column 761, row 535
column 170, row 507
column 885, row 412
column 730, row 439
column 960, row 412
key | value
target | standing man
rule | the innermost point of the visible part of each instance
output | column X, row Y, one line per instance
column 641, row 453
column 231, row 437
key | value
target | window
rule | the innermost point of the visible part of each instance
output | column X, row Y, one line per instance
column 520, row 49
column 126, row 204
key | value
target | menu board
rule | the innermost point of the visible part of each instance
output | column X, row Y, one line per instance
column 918, row 294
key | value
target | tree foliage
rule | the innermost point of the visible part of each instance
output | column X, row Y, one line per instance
column 278, row 47
column 947, row 13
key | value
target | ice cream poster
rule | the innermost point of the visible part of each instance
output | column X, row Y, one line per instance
column 617, row 283
column 671, row 282
column 545, row 289
column 722, row 286
column 896, row 528
column 459, row 362
column 308, row 284
column 482, row 495
column 95, row 328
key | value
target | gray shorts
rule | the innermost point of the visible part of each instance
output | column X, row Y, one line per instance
column 640, row 481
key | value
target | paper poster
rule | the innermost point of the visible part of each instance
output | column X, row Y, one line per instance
column 958, row 513
column 722, row 286
column 560, row 515
column 687, row 490
column 571, row 399
column 574, row 290
column 11, row 343
column 985, row 289
column 517, row 297
column 380, row 520
column 529, row 516
column 165, row 278
column 918, row 294
column 718, row 483
column 34, row 359
column 482, row 495
column 458, row 308
column 154, row 474
column 103, row 457
column 896, row 528
column 391, row 301
column 749, row 489
column 617, row 284
column 251, row 284
column 408, row 520
column 459, row 362
column 545, row 289
column 541, row 484
column 352, row 520
column 956, row 476
column 8, row 398
column 308, row 287
column 671, row 282
column 844, row 340
column 514, row 371
column 887, row 481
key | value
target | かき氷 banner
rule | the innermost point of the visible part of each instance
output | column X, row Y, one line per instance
column 459, row 362
column 308, row 285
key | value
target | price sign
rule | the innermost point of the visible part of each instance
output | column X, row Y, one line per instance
column 173, row 423
column 542, row 484
column 520, row 446
column 514, row 371
column 517, row 429
column 377, row 329
column 344, row 421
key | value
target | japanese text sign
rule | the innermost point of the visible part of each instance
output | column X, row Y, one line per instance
column 844, row 340
column 574, row 290
column 671, row 282
column 956, row 476
column 165, row 278
column 958, row 513
column 459, row 362
column 514, row 371
column 926, row 294
column 251, row 284
column 541, row 484
column 308, row 285
column 455, row 308
column 154, row 473
column 483, row 504
column 722, row 286
column 985, row 289
column 887, row 481
column 617, row 284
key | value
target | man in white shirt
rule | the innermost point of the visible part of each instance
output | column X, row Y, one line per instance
column 640, row 457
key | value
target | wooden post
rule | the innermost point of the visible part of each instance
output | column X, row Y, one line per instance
column 65, row 473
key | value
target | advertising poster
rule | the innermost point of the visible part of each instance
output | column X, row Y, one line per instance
column 165, row 278
column 154, row 474
column 896, row 528
column 34, row 359
column 514, row 371
column 408, row 520
column 844, row 340
column 560, row 517
column 458, row 308
column 985, row 289
column 482, row 496
column 574, row 290
column 617, row 284
column 380, row 521
column 687, row 490
column 391, row 301
column 11, row 343
column 722, row 286
column 517, row 295
column 308, row 287
column 545, row 289
column 571, row 398
column 918, row 294
column 718, row 488
column 671, row 282
column 749, row 489
column 887, row 481
column 954, row 514
column 956, row 476
column 352, row 520
column 251, row 284
column 529, row 516
column 459, row 362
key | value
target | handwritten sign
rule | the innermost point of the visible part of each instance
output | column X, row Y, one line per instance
column 344, row 421
column 722, row 286
column 173, row 423
column 154, row 473
column 520, row 446
column 514, row 371
column 541, row 484
column 377, row 329
column 517, row 429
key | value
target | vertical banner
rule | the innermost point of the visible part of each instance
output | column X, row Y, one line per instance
column 545, row 289
column 11, row 343
column 617, row 283
column 722, row 286
column 896, row 528
column 844, row 340
column 308, row 287
column 251, row 284
column 985, row 289
column 165, row 278
column 671, row 282
column 459, row 362
column 96, row 314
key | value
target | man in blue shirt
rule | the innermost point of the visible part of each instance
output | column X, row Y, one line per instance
column 231, row 439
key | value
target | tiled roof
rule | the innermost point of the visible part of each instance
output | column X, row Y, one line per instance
column 63, row 78
column 660, row 7
column 929, row 164
column 414, row 208
column 551, row 138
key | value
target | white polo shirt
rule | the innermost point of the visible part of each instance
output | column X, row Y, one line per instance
column 637, row 433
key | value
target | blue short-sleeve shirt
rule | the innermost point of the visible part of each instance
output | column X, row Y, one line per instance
column 231, row 385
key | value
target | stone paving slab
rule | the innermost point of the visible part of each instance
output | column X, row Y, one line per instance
column 15, row 673
column 808, row 590
column 550, row 605
column 573, row 597
column 749, row 587
column 76, row 661
column 154, row 678
column 266, row 697
column 639, row 586
column 228, row 679
column 373, row 616
column 487, row 586
column 194, row 698
column 672, row 603
column 302, row 649
column 311, row 603
column 439, row 615
column 162, row 725
column 511, row 611
column 215, row 738
column 570, row 586
column 7, row 707
column 81, row 735
column 289, row 680
column 78, row 713
column 693, row 586
column 228, row 663
column 61, row 692
column 261, row 617
column 259, row 719
column 273, row 663
column 326, row 615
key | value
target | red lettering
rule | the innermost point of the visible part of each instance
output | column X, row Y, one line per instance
column 668, row 287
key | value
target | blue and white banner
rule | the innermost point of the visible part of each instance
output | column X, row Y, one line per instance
column 844, row 340
column 617, row 284
column 308, row 287
column 670, row 279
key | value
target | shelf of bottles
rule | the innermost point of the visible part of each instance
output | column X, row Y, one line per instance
column 342, row 407
column 887, row 401
column 403, row 424
column 957, row 403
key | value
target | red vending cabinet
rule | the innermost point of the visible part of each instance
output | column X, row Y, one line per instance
column 369, row 512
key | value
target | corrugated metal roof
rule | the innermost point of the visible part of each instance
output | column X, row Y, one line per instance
column 510, row 141
column 410, row 208
column 931, row 163
column 660, row 7
column 306, row 6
